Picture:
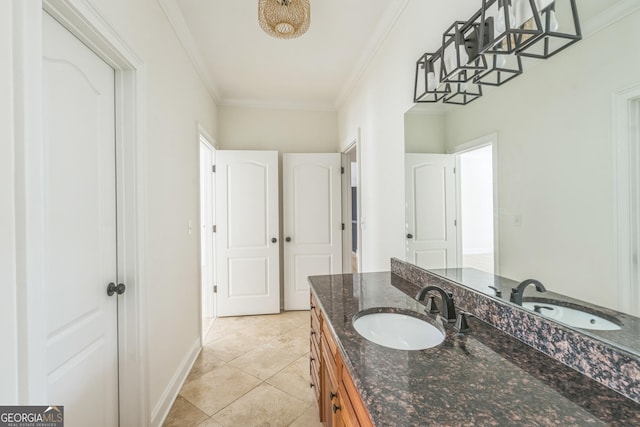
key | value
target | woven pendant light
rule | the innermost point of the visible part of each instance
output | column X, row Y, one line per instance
column 284, row 19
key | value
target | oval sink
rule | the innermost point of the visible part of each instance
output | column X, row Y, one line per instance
column 571, row 316
column 402, row 330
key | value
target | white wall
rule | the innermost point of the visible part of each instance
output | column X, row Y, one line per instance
column 176, row 101
column 424, row 133
column 8, row 325
column 287, row 131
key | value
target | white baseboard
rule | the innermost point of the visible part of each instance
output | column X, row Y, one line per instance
column 162, row 408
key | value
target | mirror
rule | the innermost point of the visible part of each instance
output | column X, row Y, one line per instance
column 560, row 173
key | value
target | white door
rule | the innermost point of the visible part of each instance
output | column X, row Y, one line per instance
column 430, row 210
column 248, row 249
column 312, row 222
column 207, row 235
column 80, row 229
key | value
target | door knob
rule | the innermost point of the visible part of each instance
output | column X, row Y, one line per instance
column 120, row 288
column 274, row 240
column 113, row 289
column 288, row 239
column 409, row 236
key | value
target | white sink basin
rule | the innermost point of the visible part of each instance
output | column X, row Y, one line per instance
column 572, row 317
column 397, row 330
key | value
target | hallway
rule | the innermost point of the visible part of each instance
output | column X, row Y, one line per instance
column 252, row 371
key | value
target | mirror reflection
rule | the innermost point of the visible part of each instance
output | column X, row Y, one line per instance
column 546, row 173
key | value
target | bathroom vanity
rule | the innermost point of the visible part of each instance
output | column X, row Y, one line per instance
column 481, row 377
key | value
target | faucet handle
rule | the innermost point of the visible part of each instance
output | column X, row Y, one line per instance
column 461, row 322
column 431, row 306
column 497, row 291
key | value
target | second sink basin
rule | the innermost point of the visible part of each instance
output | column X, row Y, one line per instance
column 399, row 329
column 572, row 316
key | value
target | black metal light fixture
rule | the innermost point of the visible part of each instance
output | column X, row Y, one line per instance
column 560, row 29
column 508, row 25
column 461, row 60
column 500, row 69
column 463, row 93
column 428, row 87
column 487, row 49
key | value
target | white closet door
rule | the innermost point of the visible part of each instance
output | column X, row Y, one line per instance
column 248, row 247
column 80, row 230
column 430, row 210
column 312, row 223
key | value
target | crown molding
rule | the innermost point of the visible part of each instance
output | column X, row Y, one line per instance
column 610, row 16
column 277, row 105
column 176, row 19
column 384, row 27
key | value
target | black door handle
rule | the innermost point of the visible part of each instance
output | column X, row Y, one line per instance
column 409, row 236
column 120, row 288
column 288, row 239
column 113, row 289
column 274, row 240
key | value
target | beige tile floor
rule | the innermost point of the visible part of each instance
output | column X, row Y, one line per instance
column 252, row 371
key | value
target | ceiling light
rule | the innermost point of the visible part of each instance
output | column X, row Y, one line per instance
column 487, row 48
column 284, row 19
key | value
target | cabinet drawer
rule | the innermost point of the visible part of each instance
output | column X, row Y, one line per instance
column 313, row 304
column 315, row 383
column 314, row 357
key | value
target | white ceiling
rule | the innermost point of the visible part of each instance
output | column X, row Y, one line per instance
column 242, row 65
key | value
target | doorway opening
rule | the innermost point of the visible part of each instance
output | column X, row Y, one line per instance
column 207, row 233
column 627, row 195
column 475, row 182
column 351, row 241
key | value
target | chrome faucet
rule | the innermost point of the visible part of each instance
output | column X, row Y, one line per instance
column 516, row 293
column 448, row 309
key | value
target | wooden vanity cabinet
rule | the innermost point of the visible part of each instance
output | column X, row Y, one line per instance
column 315, row 358
column 339, row 403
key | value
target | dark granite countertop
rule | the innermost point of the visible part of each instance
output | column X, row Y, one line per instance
column 482, row 378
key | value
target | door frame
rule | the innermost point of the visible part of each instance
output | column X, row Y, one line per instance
column 86, row 24
column 491, row 139
column 352, row 144
column 210, row 301
column 626, row 158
